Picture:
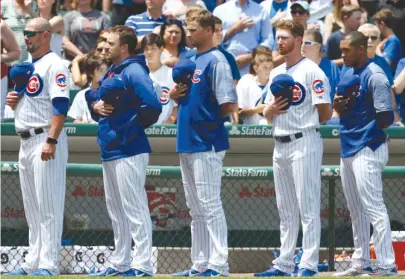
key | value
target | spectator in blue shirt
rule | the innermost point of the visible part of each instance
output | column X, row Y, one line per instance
column 246, row 25
column 149, row 21
column 390, row 47
column 276, row 9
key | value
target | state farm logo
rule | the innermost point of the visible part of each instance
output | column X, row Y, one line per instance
column 88, row 191
column 11, row 212
column 258, row 192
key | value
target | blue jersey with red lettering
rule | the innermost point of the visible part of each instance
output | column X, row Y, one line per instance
column 358, row 127
column 200, row 126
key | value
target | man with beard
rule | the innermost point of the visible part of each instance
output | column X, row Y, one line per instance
column 40, row 107
column 298, row 152
column 124, row 106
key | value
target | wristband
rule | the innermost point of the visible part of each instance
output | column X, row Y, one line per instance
column 51, row 141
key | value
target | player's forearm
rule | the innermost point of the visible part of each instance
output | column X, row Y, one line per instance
column 235, row 118
column 227, row 109
column 251, row 111
column 57, row 123
column 399, row 83
column 10, row 56
column 325, row 112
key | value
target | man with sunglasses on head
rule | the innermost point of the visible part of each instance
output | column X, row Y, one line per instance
column 41, row 105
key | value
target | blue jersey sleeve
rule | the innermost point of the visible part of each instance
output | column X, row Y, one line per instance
column 390, row 51
column 142, row 85
column 222, row 83
column 380, row 87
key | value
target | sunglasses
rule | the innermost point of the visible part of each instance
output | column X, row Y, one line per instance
column 373, row 38
column 30, row 34
column 299, row 12
column 309, row 43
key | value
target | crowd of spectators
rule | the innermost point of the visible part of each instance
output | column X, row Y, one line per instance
column 243, row 32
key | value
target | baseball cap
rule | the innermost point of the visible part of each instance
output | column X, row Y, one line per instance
column 20, row 74
column 283, row 85
column 183, row 71
column 348, row 85
column 303, row 4
column 112, row 89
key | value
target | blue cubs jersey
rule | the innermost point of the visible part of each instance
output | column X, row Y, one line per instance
column 358, row 127
column 199, row 124
column 121, row 135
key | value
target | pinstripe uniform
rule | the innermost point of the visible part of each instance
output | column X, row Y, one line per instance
column 43, row 183
column 364, row 155
column 202, row 141
column 125, row 155
column 297, row 164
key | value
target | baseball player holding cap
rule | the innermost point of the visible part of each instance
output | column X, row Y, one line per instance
column 298, row 150
column 202, row 141
column 364, row 104
column 41, row 100
column 124, row 106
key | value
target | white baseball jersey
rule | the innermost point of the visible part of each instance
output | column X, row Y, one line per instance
column 163, row 77
column 43, row 183
column 249, row 95
column 50, row 80
column 312, row 88
column 79, row 109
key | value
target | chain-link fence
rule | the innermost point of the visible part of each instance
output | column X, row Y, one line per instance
column 248, row 196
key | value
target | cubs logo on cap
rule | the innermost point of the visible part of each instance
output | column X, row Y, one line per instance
column 318, row 87
column 184, row 72
column 20, row 75
column 61, row 80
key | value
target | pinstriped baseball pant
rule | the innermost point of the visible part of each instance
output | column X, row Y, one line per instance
column 201, row 174
column 297, row 178
column 43, row 185
column 363, row 189
column 127, row 205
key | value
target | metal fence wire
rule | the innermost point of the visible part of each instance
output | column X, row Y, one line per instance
column 249, row 201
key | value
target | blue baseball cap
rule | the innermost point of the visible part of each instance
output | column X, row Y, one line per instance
column 348, row 85
column 20, row 74
column 112, row 90
column 283, row 85
column 183, row 71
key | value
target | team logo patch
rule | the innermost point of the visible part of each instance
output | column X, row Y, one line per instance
column 61, row 80
column 318, row 87
column 195, row 78
column 298, row 94
column 164, row 96
column 34, row 86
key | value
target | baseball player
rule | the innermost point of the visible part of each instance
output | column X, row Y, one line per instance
column 365, row 108
column 152, row 45
column 124, row 106
column 40, row 111
column 202, row 141
column 298, row 151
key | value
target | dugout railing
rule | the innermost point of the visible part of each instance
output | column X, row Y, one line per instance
column 248, row 196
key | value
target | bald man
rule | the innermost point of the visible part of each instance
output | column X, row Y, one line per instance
column 40, row 112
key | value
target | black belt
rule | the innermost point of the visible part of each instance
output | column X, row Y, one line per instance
column 289, row 138
column 27, row 134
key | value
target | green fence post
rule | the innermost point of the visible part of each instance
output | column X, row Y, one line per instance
column 331, row 225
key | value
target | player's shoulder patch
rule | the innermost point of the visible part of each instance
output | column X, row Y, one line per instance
column 61, row 80
column 318, row 87
column 34, row 86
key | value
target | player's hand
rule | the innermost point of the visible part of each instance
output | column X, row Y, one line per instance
column 340, row 104
column 178, row 91
column 12, row 99
column 275, row 107
column 48, row 151
column 102, row 108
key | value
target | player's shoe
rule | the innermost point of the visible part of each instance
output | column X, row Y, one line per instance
column 107, row 272
column 134, row 273
column 42, row 272
column 303, row 272
column 382, row 272
column 186, row 273
column 272, row 272
column 17, row 272
column 353, row 272
column 210, row 273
